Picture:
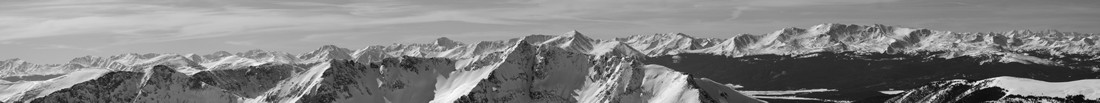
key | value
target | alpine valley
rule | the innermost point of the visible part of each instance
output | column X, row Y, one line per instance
column 823, row 63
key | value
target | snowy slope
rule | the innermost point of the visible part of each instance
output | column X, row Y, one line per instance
column 454, row 85
column 1031, row 87
column 1003, row 89
column 667, row 86
column 23, row 91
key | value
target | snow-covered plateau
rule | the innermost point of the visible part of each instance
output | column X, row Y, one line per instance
column 824, row 63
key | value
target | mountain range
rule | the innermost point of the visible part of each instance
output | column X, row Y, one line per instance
column 824, row 63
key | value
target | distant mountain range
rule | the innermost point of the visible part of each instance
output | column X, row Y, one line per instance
column 824, row 63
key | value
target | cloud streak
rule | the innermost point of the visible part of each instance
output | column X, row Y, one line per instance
column 241, row 43
column 185, row 23
column 161, row 21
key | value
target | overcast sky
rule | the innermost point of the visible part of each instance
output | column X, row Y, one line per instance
column 55, row 31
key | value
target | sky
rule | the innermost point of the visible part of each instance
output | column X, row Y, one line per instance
column 55, row 31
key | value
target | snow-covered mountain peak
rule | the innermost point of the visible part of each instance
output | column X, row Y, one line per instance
column 536, row 38
column 615, row 48
column 677, row 35
column 330, row 48
column 253, row 52
column 785, row 34
column 82, row 60
column 12, row 60
column 261, row 54
column 732, row 45
column 572, row 41
column 446, row 42
column 217, row 54
column 573, row 33
column 522, row 44
column 576, row 36
column 669, row 43
column 136, row 56
column 327, row 52
column 853, row 29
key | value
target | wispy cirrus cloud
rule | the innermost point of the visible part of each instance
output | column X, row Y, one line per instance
column 137, row 22
column 132, row 21
column 241, row 43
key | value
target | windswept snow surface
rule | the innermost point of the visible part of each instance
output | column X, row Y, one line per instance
column 22, row 91
column 461, row 81
column 294, row 87
column 616, row 81
column 786, row 92
column 668, row 86
column 1090, row 88
column 1003, row 89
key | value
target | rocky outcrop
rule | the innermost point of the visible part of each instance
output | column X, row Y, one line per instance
column 159, row 84
column 404, row 79
column 163, row 84
column 249, row 81
column 348, row 81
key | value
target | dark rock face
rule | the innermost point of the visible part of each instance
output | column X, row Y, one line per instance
column 346, row 79
column 160, row 84
column 936, row 92
column 856, row 75
column 412, row 79
column 113, row 87
column 249, row 81
column 494, row 88
column 983, row 95
column 532, row 74
column 407, row 80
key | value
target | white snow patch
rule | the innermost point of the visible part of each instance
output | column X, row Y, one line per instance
column 1090, row 88
column 668, row 86
column 892, row 92
column 460, row 83
column 786, row 92
column 800, row 98
column 292, row 89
